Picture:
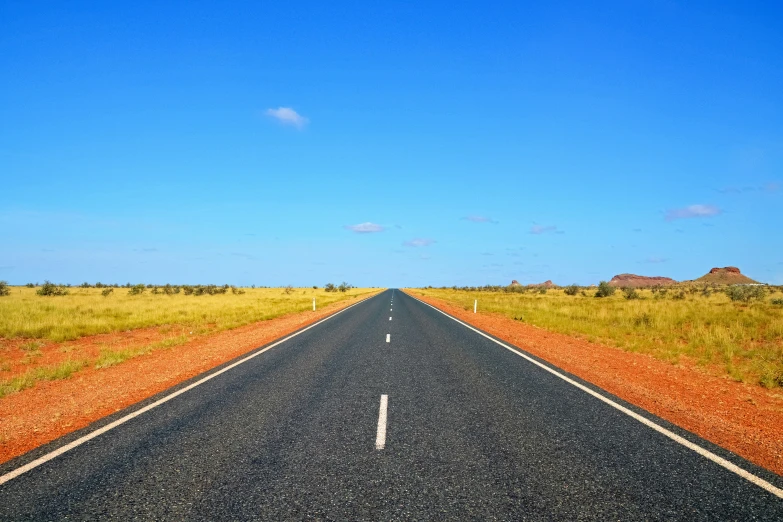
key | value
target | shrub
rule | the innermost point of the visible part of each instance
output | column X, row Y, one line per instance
column 289, row 290
column 136, row 290
column 84, row 285
column 542, row 290
column 344, row 287
column 237, row 291
column 644, row 319
column 329, row 287
column 571, row 290
column 51, row 289
column 744, row 293
column 605, row 289
column 107, row 291
column 4, row 289
column 631, row 293
column 778, row 301
column 30, row 285
column 679, row 296
column 187, row 289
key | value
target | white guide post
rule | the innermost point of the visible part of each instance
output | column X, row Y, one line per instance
column 475, row 305
column 313, row 304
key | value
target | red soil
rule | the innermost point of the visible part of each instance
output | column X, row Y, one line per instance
column 51, row 409
column 742, row 418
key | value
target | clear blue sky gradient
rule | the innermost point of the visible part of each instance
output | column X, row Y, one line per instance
column 526, row 141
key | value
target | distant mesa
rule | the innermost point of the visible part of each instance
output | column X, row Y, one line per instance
column 545, row 284
column 637, row 281
column 514, row 282
column 728, row 275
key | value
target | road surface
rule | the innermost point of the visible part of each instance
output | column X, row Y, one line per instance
column 389, row 410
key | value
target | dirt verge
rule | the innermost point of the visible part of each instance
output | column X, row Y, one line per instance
column 38, row 415
column 742, row 418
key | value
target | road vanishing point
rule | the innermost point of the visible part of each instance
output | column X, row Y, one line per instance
column 361, row 417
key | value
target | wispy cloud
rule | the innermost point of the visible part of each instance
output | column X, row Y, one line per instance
column 772, row 186
column 365, row 228
column 480, row 219
column 655, row 260
column 542, row 229
column 419, row 242
column 288, row 116
column 692, row 211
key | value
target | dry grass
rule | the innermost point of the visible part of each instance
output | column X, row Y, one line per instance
column 745, row 340
column 84, row 311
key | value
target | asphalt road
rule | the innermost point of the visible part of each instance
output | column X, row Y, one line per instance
column 473, row 431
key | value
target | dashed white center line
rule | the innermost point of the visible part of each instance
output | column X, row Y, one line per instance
column 380, row 438
column 389, row 318
column 388, row 338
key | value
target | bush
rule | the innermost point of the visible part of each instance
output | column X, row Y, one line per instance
column 679, row 296
column 51, row 289
column 237, row 291
column 631, row 293
column 571, row 290
column 344, row 287
column 107, row 291
column 136, row 290
column 30, row 285
column 778, row 301
column 4, row 289
column 542, row 290
column 289, row 290
column 329, row 287
column 605, row 290
column 745, row 293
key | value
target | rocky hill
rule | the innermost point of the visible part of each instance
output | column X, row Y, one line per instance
column 637, row 281
column 545, row 284
column 729, row 275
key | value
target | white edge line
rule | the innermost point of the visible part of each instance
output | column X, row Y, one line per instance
column 380, row 438
column 100, row 431
column 647, row 422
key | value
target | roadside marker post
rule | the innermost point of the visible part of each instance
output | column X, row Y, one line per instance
column 313, row 304
column 475, row 305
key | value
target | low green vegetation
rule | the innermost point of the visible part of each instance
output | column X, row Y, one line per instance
column 34, row 375
column 711, row 325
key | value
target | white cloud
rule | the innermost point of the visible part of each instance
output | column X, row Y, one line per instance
column 541, row 229
column 692, row 211
column 365, row 228
column 288, row 116
column 419, row 242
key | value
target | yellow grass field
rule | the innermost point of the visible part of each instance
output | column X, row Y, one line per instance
column 84, row 311
column 744, row 340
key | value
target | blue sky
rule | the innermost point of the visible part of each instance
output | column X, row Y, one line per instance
column 390, row 144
